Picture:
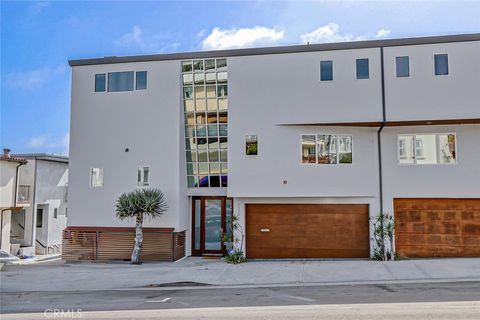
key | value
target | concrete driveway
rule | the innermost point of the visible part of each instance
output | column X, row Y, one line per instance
column 192, row 272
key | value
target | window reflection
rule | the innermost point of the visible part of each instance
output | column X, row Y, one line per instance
column 205, row 91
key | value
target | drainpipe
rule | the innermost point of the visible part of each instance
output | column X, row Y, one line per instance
column 15, row 199
column 379, row 131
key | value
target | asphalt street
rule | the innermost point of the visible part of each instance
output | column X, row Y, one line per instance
column 271, row 298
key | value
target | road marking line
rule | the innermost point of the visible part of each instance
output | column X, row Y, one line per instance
column 297, row 297
column 163, row 300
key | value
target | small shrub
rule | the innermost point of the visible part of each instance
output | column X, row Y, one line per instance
column 235, row 258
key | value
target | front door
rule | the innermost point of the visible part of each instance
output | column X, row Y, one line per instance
column 209, row 221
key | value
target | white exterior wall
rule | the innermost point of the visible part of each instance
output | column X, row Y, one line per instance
column 148, row 122
column 8, row 176
column 426, row 96
column 51, row 190
column 286, row 88
column 265, row 93
column 460, row 180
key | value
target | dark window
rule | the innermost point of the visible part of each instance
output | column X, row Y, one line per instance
column 363, row 71
column 66, row 211
column 120, row 81
column 141, row 83
column 441, row 64
column 55, row 213
column 100, row 80
column 403, row 67
column 326, row 70
column 39, row 218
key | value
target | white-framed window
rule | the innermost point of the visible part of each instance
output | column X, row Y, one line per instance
column 143, row 176
column 96, row 177
column 427, row 148
column 327, row 148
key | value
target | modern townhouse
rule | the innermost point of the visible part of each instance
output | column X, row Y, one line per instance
column 9, row 197
column 43, row 187
column 302, row 143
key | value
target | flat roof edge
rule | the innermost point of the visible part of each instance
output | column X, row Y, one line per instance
column 280, row 49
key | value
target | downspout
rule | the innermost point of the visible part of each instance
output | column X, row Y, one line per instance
column 379, row 131
column 15, row 199
column 34, row 213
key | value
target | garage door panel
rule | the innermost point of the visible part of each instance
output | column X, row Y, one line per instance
column 437, row 227
column 307, row 231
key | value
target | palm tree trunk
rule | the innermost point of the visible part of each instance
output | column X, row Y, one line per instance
column 138, row 239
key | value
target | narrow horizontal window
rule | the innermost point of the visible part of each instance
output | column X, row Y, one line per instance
column 427, row 148
column 141, row 80
column 363, row 71
column 100, row 82
column 327, row 149
column 326, row 70
column 120, row 81
column 441, row 64
column 403, row 67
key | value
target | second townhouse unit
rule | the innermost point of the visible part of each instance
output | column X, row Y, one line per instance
column 37, row 227
column 304, row 144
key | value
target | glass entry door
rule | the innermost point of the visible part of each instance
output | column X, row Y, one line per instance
column 209, row 216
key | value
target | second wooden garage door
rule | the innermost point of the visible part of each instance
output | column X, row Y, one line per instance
column 437, row 227
column 307, row 231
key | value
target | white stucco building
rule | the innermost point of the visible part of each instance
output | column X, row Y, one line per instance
column 43, row 188
column 302, row 143
column 9, row 202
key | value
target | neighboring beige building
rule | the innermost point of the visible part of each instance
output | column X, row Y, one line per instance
column 9, row 168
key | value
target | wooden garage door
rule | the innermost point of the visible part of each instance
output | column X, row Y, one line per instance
column 307, row 231
column 437, row 227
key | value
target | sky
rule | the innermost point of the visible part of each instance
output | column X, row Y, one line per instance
column 39, row 37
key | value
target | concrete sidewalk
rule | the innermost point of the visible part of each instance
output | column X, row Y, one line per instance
column 59, row 276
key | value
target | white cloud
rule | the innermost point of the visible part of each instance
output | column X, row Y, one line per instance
column 38, row 6
column 241, row 38
column 66, row 144
column 49, row 143
column 39, row 141
column 132, row 38
column 27, row 79
column 383, row 33
column 33, row 78
column 331, row 33
column 137, row 39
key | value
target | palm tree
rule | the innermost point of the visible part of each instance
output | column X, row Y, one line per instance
column 137, row 204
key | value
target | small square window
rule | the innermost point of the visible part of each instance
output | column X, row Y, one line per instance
column 251, row 145
column 221, row 64
column 96, row 177
column 143, row 176
column 187, row 66
column 141, row 80
column 209, row 64
column 441, row 64
column 363, row 71
column 326, row 70
column 100, row 82
column 403, row 67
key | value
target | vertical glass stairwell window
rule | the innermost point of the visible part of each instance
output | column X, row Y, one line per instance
column 205, row 104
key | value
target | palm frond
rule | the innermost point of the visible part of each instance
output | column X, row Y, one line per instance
column 150, row 202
